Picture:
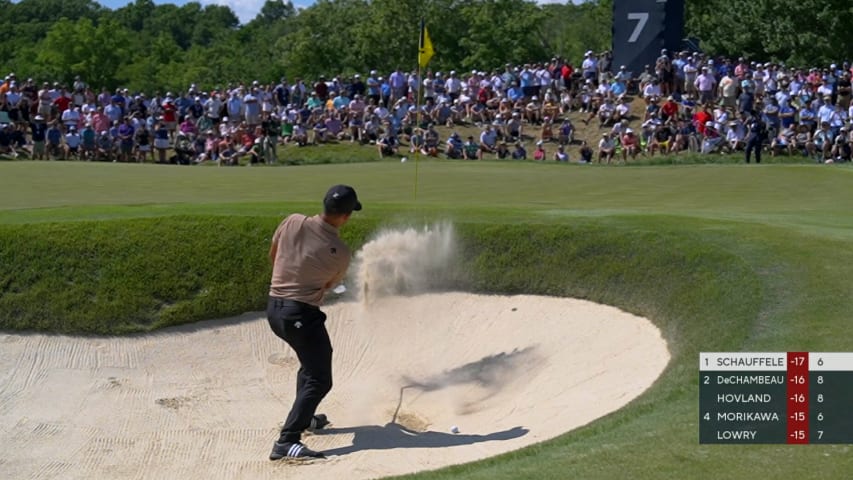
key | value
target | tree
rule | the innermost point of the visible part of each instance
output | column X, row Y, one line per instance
column 94, row 53
column 322, row 40
column 500, row 31
column 275, row 11
column 800, row 32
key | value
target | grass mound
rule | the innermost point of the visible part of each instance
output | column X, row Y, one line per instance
column 135, row 275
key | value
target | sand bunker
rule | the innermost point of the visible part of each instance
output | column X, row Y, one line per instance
column 206, row 401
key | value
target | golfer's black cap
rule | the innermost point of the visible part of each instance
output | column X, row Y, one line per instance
column 341, row 199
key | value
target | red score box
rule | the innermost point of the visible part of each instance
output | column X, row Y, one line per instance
column 798, row 397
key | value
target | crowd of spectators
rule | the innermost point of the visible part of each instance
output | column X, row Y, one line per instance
column 684, row 102
column 725, row 105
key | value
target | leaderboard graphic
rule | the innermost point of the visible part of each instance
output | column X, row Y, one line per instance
column 776, row 398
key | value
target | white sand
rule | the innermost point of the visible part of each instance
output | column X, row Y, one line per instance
column 205, row 401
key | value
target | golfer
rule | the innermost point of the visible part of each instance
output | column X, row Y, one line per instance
column 308, row 259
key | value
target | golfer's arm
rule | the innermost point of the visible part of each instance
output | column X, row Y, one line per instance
column 335, row 280
column 273, row 251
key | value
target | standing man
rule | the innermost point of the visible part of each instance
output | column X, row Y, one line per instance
column 754, row 136
column 308, row 259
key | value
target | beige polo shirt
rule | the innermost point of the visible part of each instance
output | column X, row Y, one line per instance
column 310, row 256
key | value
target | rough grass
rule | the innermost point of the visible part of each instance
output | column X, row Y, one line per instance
column 133, row 275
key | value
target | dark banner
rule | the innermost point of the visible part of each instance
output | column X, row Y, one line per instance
column 642, row 28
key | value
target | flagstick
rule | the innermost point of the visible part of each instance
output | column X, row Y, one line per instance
column 423, row 42
column 417, row 126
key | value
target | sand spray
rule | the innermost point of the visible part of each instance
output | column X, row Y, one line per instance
column 405, row 261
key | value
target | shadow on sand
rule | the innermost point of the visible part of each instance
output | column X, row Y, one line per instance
column 393, row 435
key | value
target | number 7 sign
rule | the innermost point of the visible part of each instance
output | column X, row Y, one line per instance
column 642, row 18
column 641, row 28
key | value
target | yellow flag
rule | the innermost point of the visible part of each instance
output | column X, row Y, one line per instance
column 425, row 50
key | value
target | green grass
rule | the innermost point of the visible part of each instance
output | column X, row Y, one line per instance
column 720, row 257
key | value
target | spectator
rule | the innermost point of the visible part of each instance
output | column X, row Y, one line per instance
column 454, row 147
column 653, row 109
column 184, row 150
column 546, row 133
column 519, row 153
column 125, row 135
column 161, row 141
column 712, row 141
column 661, row 140
column 387, row 144
column 38, row 135
column 841, row 149
column 668, row 112
column 514, row 128
column 104, row 150
column 705, row 84
column 227, row 153
column 644, row 79
column 142, row 143
column 488, row 140
column 685, row 137
column 471, row 149
column 533, row 111
column 88, row 142
column 561, row 155
column 746, row 100
column 803, row 140
column 652, row 89
column 589, row 66
column 503, row 151
column 606, row 148
column 431, row 141
column 735, row 136
column 622, row 112
column 169, row 115
column 843, row 88
column 252, row 107
column 539, row 153
column 784, row 141
column 72, row 144
column 755, row 135
column 822, row 140
column 630, row 145
column 565, row 132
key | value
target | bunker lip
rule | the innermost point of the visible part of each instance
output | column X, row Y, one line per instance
column 206, row 401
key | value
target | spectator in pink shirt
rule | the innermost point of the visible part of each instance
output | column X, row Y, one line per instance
column 100, row 121
column 705, row 83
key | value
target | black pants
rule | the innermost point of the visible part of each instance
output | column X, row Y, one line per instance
column 303, row 327
column 753, row 143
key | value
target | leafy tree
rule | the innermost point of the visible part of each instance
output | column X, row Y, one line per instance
column 275, row 11
column 801, row 32
column 569, row 30
column 214, row 23
column 501, row 31
column 322, row 41
column 48, row 11
column 81, row 48
column 134, row 16
column 148, row 46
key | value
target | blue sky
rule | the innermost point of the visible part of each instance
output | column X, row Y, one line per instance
column 245, row 9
